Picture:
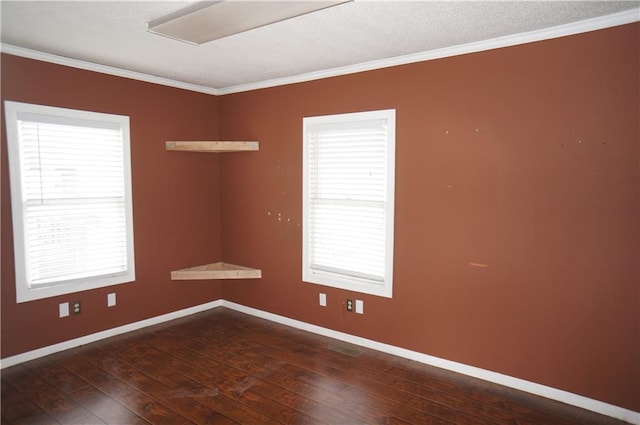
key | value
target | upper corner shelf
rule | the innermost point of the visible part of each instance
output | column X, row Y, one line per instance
column 217, row 146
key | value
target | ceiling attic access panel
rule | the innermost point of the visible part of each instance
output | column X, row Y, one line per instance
column 218, row 270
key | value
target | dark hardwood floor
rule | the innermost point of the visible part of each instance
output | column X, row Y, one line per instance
column 224, row 367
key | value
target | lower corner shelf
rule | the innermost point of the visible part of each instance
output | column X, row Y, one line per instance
column 218, row 270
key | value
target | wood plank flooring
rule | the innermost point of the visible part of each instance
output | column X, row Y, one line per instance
column 224, row 367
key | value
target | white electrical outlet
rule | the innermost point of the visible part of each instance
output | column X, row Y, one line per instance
column 359, row 306
column 111, row 300
column 63, row 309
column 323, row 300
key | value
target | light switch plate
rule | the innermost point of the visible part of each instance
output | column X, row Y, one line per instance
column 63, row 309
column 359, row 306
column 111, row 300
column 323, row 300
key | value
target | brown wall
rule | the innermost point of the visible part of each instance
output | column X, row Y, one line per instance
column 175, row 202
column 525, row 159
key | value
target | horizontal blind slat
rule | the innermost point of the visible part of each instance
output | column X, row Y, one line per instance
column 74, row 187
column 347, row 189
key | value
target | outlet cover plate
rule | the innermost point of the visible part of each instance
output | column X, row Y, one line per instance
column 323, row 299
column 359, row 306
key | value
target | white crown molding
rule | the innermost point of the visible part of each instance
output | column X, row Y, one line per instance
column 508, row 381
column 593, row 24
column 103, row 69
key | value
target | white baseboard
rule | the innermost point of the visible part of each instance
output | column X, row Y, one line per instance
column 508, row 381
column 76, row 342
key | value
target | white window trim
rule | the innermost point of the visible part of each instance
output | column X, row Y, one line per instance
column 24, row 292
column 385, row 289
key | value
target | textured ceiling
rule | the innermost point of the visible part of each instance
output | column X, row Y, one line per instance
column 115, row 34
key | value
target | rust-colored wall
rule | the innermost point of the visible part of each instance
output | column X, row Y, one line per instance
column 525, row 159
column 175, row 202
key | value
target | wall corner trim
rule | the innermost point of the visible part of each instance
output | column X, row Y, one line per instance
column 508, row 381
column 103, row 69
column 566, row 397
column 592, row 24
column 579, row 27
column 87, row 339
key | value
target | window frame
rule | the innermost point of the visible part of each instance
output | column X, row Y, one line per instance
column 24, row 292
column 340, row 280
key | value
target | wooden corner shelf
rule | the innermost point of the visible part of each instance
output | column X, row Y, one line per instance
column 218, row 270
column 212, row 146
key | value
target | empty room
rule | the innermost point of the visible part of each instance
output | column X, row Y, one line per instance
column 320, row 212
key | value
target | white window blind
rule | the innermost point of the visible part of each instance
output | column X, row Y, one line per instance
column 348, row 211
column 71, row 199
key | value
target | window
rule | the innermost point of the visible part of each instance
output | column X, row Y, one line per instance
column 348, row 201
column 71, row 199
